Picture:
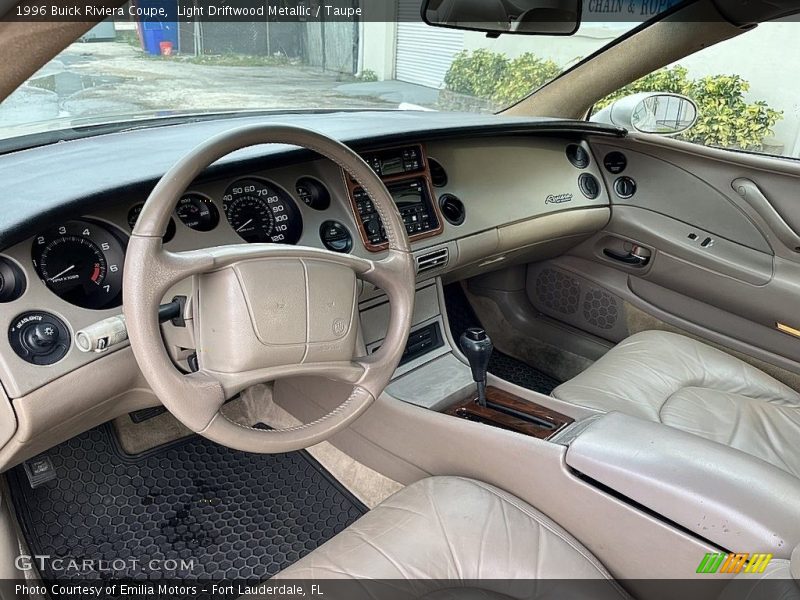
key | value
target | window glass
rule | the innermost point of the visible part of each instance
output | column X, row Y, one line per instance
column 124, row 69
column 745, row 89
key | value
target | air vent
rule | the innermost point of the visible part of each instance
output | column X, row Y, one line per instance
column 452, row 209
column 589, row 185
column 578, row 156
column 438, row 174
column 433, row 260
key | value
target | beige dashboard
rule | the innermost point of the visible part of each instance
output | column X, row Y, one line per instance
column 521, row 197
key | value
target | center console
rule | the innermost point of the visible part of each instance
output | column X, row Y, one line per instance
column 406, row 174
column 703, row 486
column 500, row 408
column 682, row 482
column 432, row 375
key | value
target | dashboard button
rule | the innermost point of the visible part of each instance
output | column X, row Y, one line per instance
column 39, row 338
column 335, row 236
column 615, row 162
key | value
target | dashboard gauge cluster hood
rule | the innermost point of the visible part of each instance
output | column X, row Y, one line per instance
column 47, row 182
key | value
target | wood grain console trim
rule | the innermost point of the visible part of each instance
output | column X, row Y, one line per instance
column 424, row 174
column 511, row 412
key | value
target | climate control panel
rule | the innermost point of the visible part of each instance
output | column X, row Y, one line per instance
column 414, row 205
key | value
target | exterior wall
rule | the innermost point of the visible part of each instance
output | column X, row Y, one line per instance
column 564, row 51
column 377, row 48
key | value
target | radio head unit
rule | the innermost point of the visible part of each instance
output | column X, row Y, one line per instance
column 396, row 161
column 405, row 173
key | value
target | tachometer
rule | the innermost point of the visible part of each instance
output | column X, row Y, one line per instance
column 81, row 262
column 262, row 212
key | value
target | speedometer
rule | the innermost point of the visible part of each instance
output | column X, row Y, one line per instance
column 262, row 212
column 81, row 262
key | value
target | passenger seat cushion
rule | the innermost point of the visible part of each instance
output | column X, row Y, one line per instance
column 451, row 528
column 767, row 430
column 640, row 375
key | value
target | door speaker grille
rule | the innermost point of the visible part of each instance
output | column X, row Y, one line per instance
column 600, row 308
column 558, row 291
column 576, row 301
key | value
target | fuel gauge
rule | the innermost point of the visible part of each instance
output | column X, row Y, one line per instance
column 197, row 212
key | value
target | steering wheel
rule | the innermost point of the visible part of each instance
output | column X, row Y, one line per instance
column 261, row 312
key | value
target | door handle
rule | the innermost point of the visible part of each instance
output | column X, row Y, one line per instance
column 637, row 257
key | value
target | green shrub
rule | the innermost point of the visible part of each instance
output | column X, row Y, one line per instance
column 477, row 73
column 724, row 117
column 496, row 79
column 367, row 75
column 487, row 80
column 523, row 75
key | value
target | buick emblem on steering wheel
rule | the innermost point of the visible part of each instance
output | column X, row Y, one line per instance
column 339, row 327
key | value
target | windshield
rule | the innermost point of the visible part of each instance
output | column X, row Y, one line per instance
column 123, row 70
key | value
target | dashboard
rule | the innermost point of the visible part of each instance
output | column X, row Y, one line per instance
column 81, row 260
column 468, row 204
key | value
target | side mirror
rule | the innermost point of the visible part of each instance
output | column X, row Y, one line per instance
column 527, row 17
column 650, row 112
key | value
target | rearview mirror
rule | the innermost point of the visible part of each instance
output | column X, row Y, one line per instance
column 650, row 112
column 531, row 17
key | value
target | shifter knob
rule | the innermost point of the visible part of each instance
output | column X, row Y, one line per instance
column 477, row 347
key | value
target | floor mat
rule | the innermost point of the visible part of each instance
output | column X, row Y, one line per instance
column 461, row 316
column 227, row 514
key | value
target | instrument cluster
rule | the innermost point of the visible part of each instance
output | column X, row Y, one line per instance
column 81, row 260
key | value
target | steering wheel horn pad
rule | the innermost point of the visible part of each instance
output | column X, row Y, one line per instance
column 262, row 312
column 278, row 312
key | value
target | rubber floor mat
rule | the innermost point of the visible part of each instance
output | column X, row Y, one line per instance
column 226, row 514
column 461, row 316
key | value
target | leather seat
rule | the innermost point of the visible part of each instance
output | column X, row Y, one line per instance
column 453, row 528
column 680, row 382
column 448, row 538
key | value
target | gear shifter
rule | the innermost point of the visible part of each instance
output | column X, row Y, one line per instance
column 477, row 347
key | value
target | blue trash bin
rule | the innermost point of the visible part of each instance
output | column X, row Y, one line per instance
column 151, row 39
column 154, row 32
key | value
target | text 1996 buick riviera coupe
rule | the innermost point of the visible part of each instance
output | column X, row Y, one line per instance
column 419, row 300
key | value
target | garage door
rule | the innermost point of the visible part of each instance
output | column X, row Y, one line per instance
column 424, row 53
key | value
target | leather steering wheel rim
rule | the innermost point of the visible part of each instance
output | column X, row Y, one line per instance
column 150, row 271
